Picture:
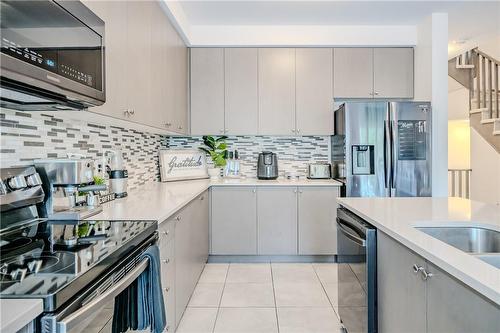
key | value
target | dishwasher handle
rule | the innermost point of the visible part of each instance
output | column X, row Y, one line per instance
column 71, row 321
column 346, row 230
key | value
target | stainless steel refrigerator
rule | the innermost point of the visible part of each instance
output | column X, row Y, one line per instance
column 383, row 149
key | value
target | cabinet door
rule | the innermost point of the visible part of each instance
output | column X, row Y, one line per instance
column 401, row 292
column 181, row 86
column 393, row 72
column 277, row 91
column 183, row 261
column 353, row 72
column 454, row 307
column 277, row 220
column 317, row 214
column 314, row 91
column 167, row 259
column 207, row 91
column 138, row 55
column 200, row 229
column 114, row 14
column 159, row 70
column 241, row 95
column 234, row 221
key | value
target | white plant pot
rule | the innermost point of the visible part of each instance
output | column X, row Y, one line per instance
column 214, row 173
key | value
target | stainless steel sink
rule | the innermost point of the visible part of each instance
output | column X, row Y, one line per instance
column 492, row 259
column 467, row 239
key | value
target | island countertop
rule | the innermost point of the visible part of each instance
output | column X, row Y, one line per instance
column 398, row 217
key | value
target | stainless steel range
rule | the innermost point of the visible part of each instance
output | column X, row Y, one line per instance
column 76, row 267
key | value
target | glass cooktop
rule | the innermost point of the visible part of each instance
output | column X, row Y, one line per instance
column 45, row 257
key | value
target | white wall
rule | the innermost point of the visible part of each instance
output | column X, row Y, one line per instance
column 431, row 83
column 458, row 101
column 485, row 164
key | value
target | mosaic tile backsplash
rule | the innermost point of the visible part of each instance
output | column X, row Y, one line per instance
column 29, row 135
column 294, row 153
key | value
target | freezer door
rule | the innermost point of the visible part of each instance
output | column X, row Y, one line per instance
column 411, row 149
column 365, row 149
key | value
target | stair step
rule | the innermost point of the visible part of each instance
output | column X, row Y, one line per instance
column 496, row 132
column 472, row 111
column 489, row 120
column 464, row 66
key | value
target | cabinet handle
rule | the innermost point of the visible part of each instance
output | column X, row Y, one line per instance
column 425, row 275
column 295, row 191
column 132, row 112
column 177, row 218
column 166, row 232
column 300, row 191
column 221, row 131
column 167, row 328
column 376, row 93
column 298, row 130
column 293, row 130
column 165, row 261
column 417, row 268
column 254, row 190
column 126, row 113
column 168, row 124
column 167, row 289
column 202, row 198
column 179, row 127
column 371, row 94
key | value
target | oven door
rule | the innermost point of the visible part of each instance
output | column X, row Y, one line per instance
column 92, row 310
column 357, row 274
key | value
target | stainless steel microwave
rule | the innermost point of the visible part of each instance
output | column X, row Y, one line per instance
column 52, row 55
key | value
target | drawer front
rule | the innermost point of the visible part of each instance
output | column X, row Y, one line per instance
column 166, row 230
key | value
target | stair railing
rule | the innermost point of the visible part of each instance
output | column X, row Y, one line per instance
column 459, row 183
column 486, row 84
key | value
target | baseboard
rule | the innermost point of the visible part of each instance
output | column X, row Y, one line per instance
column 265, row 259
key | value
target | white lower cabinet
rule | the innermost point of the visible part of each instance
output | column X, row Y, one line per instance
column 234, row 217
column 183, row 253
column 277, row 220
column 410, row 302
column 271, row 220
column 317, row 211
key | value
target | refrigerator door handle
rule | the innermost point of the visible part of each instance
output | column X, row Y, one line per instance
column 387, row 154
column 393, row 154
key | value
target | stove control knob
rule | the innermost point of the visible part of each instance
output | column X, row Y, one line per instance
column 3, row 188
column 34, row 266
column 17, row 182
column 34, row 180
column 19, row 274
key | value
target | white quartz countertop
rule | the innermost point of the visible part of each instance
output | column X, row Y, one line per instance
column 159, row 201
column 17, row 313
column 397, row 217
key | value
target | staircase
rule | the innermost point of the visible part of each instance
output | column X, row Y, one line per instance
column 479, row 73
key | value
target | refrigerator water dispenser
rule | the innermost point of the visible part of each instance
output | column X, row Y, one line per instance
column 363, row 159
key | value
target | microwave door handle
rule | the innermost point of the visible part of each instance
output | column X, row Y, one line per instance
column 355, row 238
column 69, row 322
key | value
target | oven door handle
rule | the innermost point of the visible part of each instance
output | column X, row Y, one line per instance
column 69, row 322
column 355, row 238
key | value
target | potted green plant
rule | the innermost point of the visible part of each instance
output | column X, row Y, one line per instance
column 216, row 148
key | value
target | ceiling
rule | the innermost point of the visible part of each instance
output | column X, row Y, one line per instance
column 467, row 19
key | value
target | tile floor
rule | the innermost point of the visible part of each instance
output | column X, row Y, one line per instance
column 254, row 298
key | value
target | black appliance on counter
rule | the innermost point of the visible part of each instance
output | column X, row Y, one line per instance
column 357, row 272
column 75, row 267
column 52, row 55
column 267, row 165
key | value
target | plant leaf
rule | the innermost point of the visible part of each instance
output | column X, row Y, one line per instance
column 222, row 146
column 204, row 149
column 221, row 138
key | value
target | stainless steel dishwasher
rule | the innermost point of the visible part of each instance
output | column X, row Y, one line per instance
column 357, row 272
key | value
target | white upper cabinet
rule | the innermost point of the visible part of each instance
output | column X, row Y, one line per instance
column 138, row 55
column 277, row 91
column 207, row 91
column 314, row 91
column 241, row 91
column 353, row 72
column 393, row 72
column 146, row 65
column 373, row 72
column 115, row 41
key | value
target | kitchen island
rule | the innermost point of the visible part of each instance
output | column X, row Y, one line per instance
column 424, row 284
